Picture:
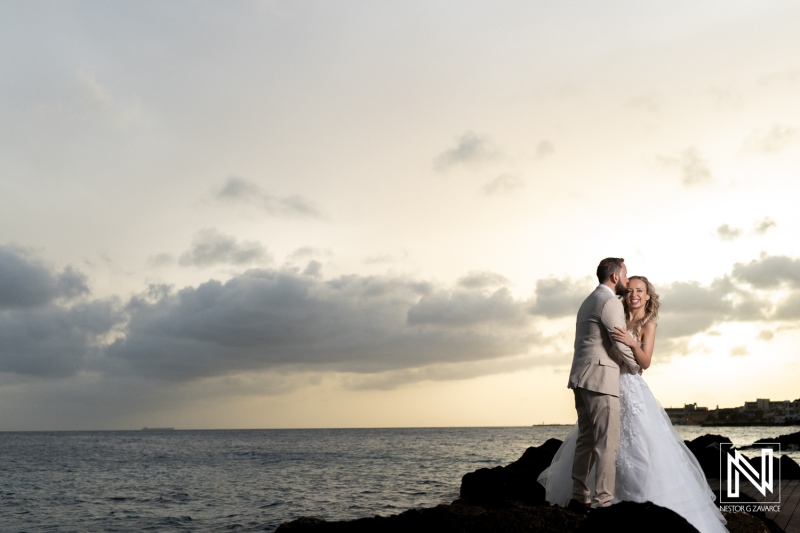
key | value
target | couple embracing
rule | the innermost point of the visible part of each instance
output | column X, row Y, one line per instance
column 624, row 446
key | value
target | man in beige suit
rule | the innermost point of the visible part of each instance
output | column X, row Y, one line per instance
column 594, row 378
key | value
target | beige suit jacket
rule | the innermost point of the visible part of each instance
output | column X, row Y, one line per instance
column 598, row 358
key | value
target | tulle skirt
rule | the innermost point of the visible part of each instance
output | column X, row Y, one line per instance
column 653, row 463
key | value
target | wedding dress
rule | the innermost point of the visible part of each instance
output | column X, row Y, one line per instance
column 653, row 463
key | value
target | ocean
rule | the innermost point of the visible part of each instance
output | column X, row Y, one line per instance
column 252, row 480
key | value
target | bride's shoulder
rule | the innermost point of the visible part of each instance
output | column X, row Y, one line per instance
column 649, row 327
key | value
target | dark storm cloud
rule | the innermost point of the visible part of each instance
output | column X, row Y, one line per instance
column 55, row 341
column 688, row 308
column 769, row 272
column 267, row 319
column 26, row 282
column 467, row 308
column 240, row 190
column 693, row 167
column 470, row 149
column 210, row 247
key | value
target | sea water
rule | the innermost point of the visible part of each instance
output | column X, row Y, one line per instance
column 252, row 480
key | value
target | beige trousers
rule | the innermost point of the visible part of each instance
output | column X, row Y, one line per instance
column 597, row 444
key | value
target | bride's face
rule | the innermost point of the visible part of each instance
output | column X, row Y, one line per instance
column 637, row 294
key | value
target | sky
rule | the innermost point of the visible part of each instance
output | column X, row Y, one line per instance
column 275, row 214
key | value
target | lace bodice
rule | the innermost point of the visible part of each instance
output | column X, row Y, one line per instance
column 634, row 338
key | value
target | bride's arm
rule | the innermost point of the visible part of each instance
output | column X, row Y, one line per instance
column 643, row 354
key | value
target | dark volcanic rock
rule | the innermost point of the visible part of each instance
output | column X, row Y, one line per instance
column 510, row 500
column 453, row 518
column 632, row 517
column 623, row 517
column 745, row 523
column 783, row 440
column 789, row 469
column 492, row 487
column 706, row 449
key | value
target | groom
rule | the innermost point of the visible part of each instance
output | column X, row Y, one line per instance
column 594, row 378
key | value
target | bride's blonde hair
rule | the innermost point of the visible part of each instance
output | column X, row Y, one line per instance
column 650, row 308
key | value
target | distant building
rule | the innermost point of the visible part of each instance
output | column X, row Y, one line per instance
column 688, row 415
column 763, row 411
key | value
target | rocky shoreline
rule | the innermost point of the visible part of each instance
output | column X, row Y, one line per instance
column 508, row 499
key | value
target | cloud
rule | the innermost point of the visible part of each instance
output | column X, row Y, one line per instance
column 502, row 184
column 45, row 332
column 89, row 98
column 210, row 247
column 764, row 225
column 56, row 341
column 693, row 167
column 313, row 268
column 789, row 309
column 769, row 272
column 788, row 76
column 449, row 372
column 160, row 260
column 378, row 259
column 26, row 282
column 467, row 308
column 728, row 233
column 468, row 151
column 240, row 190
column 769, row 141
column 271, row 319
column 740, row 350
column 727, row 98
column 650, row 102
column 557, row 298
column 544, row 149
column 689, row 308
column 483, row 280
column 765, row 335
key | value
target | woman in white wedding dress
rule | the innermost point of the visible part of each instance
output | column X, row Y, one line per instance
column 653, row 463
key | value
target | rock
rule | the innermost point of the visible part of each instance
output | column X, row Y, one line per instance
column 792, row 439
column 510, row 500
column 453, row 518
column 745, row 523
column 704, row 441
column 633, row 517
column 493, row 487
column 706, row 449
column 789, row 469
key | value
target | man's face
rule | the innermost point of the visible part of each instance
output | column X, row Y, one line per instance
column 621, row 288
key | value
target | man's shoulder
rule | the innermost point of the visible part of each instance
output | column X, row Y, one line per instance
column 600, row 294
column 594, row 302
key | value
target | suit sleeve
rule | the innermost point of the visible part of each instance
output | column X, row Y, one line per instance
column 613, row 315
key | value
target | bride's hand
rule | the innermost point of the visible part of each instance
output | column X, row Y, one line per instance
column 620, row 335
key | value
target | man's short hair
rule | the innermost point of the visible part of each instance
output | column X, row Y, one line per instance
column 608, row 266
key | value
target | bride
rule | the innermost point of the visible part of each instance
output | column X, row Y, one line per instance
column 653, row 463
